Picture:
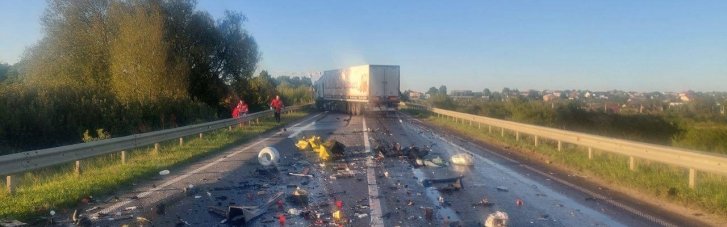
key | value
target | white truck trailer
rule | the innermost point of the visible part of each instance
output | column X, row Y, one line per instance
column 359, row 88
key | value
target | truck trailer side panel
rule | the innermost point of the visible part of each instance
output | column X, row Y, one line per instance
column 358, row 88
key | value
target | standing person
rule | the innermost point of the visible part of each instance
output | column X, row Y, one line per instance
column 236, row 110
column 243, row 108
column 277, row 106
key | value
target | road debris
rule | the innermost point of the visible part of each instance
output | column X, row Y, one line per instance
column 164, row 172
column 268, row 156
column 303, row 144
column 12, row 223
column 294, row 211
column 484, row 202
column 92, row 209
column 518, row 202
column 299, row 197
column 304, row 173
column 241, row 215
column 462, row 159
column 497, row 219
column 502, row 188
column 142, row 220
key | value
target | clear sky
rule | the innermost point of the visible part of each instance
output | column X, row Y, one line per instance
column 598, row 45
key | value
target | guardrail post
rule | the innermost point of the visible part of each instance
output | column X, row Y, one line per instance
column 632, row 163
column 156, row 148
column 201, row 135
column 479, row 125
column 257, row 121
column 229, row 128
column 560, row 145
column 692, row 178
column 517, row 136
column 77, row 169
column 590, row 153
column 536, row 140
column 489, row 128
column 9, row 184
column 502, row 132
column 181, row 141
column 470, row 122
column 123, row 157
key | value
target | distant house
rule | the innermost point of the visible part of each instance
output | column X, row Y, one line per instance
column 461, row 93
column 415, row 95
column 550, row 97
column 686, row 96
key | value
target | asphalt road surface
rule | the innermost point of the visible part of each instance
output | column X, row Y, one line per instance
column 371, row 190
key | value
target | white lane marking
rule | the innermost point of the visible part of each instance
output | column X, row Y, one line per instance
column 182, row 177
column 294, row 134
column 374, row 204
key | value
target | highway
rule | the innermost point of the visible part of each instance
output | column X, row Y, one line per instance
column 383, row 191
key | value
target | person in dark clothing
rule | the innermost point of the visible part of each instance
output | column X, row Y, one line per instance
column 277, row 106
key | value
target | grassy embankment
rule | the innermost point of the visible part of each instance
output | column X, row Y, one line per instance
column 659, row 180
column 58, row 187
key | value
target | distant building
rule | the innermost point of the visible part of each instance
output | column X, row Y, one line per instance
column 686, row 96
column 461, row 93
column 550, row 97
column 415, row 95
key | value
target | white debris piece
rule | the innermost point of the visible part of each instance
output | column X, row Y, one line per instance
column 164, row 172
column 268, row 156
column 12, row 223
column 497, row 219
column 293, row 211
column 462, row 159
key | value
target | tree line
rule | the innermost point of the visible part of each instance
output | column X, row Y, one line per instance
column 128, row 67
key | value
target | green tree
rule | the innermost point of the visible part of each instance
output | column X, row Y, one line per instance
column 433, row 91
column 139, row 68
column 4, row 69
column 262, row 90
column 75, row 50
column 486, row 92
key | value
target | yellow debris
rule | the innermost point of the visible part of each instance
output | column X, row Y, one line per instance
column 323, row 153
column 314, row 141
column 337, row 215
column 302, row 145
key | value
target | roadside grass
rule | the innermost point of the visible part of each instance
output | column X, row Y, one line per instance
column 59, row 188
column 659, row 180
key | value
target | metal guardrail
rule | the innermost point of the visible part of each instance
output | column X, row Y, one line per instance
column 30, row 160
column 691, row 159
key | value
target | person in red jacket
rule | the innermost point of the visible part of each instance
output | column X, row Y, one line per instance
column 236, row 111
column 243, row 108
column 277, row 106
column 240, row 110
